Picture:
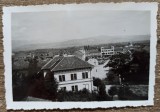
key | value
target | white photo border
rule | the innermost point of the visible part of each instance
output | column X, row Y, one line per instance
column 7, row 11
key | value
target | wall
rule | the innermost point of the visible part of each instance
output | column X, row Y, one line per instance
column 80, row 81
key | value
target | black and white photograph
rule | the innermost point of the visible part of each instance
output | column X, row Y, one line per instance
column 81, row 53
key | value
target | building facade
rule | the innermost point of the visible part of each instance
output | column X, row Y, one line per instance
column 71, row 73
column 107, row 51
column 111, row 51
column 74, row 80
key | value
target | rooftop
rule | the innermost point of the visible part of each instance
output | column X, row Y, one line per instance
column 61, row 63
column 93, row 51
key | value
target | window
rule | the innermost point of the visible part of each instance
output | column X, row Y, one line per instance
column 62, row 78
column 74, row 88
column 85, row 75
column 63, row 88
column 73, row 76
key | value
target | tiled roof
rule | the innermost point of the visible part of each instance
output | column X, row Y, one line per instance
column 41, row 63
column 51, row 63
column 78, row 53
column 66, row 63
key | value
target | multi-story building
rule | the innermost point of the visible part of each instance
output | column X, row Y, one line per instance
column 107, row 51
column 72, row 73
column 111, row 51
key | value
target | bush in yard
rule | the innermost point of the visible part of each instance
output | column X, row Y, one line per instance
column 113, row 91
column 97, row 82
column 101, row 88
column 82, row 95
column 124, row 93
column 51, row 86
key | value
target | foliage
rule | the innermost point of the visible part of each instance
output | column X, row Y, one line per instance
column 101, row 88
column 51, row 86
column 113, row 91
column 125, row 93
column 97, row 82
column 82, row 95
column 131, row 67
column 112, row 78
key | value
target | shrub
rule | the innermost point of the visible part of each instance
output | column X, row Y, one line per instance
column 113, row 91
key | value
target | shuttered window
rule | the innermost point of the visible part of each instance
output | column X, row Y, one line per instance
column 74, row 88
column 73, row 76
column 85, row 75
column 62, row 78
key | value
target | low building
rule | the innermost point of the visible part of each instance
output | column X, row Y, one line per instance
column 93, row 53
column 80, row 54
column 72, row 73
column 93, row 61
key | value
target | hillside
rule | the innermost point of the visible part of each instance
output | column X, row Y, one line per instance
column 31, row 45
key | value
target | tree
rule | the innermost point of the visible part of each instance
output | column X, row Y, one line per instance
column 131, row 67
column 141, row 58
column 51, row 86
column 124, row 92
column 102, row 96
column 32, row 68
column 120, row 64
column 113, row 91
column 44, row 87
column 97, row 82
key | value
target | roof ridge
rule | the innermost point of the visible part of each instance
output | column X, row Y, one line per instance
column 47, row 63
column 83, row 61
column 57, row 63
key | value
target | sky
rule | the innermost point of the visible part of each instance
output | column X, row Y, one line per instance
column 58, row 26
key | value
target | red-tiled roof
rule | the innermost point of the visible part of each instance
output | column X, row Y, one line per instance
column 66, row 63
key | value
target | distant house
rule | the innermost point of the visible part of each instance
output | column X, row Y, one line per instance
column 93, row 61
column 72, row 73
column 99, row 71
column 93, row 53
column 81, row 54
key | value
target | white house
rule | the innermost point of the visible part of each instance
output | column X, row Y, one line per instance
column 80, row 54
column 99, row 71
column 72, row 73
column 93, row 61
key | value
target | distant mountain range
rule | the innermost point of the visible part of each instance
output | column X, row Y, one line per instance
column 21, row 45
